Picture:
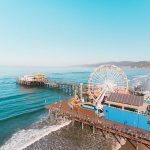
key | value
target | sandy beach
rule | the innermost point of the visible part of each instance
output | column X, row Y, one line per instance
column 72, row 137
column 129, row 146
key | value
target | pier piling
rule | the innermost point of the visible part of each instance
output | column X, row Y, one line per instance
column 106, row 126
column 82, row 125
column 93, row 129
column 68, row 88
column 137, row 148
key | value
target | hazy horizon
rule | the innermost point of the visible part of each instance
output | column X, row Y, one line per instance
column 81, row 65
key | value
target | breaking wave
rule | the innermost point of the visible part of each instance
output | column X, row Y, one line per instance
column 26, row 137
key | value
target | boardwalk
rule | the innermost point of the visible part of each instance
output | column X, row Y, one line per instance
column 86, row 116
column 69, row 88
column 62, row 108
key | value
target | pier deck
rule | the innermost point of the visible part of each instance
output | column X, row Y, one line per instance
column 85, row 116
column 65, row 87
column 63, row 109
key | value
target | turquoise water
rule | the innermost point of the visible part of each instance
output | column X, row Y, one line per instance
column 20, row 107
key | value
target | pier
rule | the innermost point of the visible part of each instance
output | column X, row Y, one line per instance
column 97, row 104
column 87, row 117
column 69, row 88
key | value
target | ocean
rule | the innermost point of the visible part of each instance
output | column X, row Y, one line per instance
column 24, row 120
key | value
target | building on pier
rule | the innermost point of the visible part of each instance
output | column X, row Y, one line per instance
column 106, row 95
column 127, row 109
column 104, row 103
column 32, row 79
column 109, row 98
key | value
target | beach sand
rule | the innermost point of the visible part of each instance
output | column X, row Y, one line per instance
column 128, row 146
column 72, row 137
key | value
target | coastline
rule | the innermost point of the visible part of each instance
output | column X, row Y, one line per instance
column 72, row 137
column 66, row 136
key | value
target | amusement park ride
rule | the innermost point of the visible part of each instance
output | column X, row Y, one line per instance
column 108, row 92
column 106, row 104
column 106, row 95
column 105, row 80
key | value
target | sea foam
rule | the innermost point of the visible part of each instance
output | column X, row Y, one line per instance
column 25, row 138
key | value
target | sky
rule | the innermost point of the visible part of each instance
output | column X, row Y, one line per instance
column 73, row 32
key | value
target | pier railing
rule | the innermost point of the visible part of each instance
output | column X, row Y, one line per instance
column 135, row 134
column 129, row 132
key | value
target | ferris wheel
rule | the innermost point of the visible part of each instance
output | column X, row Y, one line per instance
column 105, row 80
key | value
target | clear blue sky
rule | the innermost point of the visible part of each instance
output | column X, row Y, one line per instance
column 72, row 32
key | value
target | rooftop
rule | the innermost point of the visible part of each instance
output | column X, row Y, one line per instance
column 126, row 99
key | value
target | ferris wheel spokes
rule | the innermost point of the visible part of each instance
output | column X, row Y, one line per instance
column 106, row 79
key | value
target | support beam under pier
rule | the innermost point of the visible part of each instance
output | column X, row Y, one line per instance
column 82, row 125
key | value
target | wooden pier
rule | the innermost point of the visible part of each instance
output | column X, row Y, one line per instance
column 69, row 88
column 88, row 117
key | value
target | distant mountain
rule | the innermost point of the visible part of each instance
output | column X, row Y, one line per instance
column 128, row 64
